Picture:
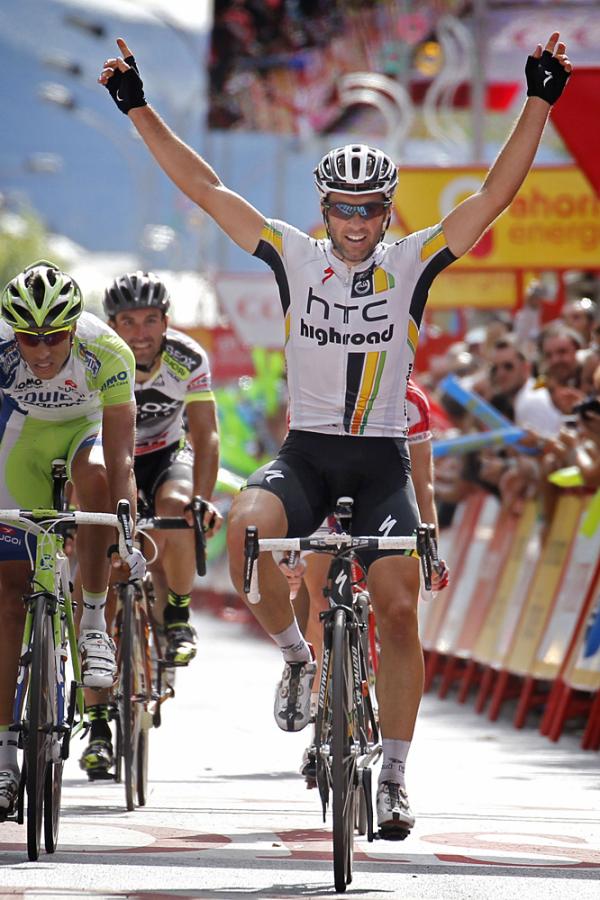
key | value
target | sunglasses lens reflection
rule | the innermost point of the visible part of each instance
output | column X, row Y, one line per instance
column 364, row 210
column 53, row 339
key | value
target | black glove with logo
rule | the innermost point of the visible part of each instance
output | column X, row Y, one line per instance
column 546, row 78
column 127, row 88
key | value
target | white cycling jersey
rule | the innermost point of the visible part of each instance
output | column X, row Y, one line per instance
column 183, row 377
column 351, row 333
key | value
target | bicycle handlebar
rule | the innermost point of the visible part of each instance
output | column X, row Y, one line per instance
column 198, row 507
column 423, row 541
column 40, row 521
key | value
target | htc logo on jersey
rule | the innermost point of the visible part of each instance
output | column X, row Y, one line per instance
column 332, row 336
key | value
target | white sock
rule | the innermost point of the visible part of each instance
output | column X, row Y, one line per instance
column 394, row 761
column 8, row 749
column 292, row 644
column 93, row 612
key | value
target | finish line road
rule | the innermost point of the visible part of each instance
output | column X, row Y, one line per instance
column 500, row 813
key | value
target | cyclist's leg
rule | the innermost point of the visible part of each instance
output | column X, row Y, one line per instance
column 393, row 582
column 14, row 579
column 315, row 577
column 169, row 492
column 27, row 448
column 282, row 498
column 88, row 474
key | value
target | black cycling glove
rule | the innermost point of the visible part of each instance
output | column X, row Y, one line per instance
column 546, row 78
column 127, row 88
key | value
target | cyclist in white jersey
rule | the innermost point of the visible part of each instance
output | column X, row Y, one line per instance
column 352, row 305
column 66, row 382
column 172, row 463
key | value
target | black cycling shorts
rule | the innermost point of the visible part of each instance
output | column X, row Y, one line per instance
column 173, row 463
column 312, row 470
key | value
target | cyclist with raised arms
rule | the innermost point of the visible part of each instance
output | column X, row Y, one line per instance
column 173, row 462
column 66, row 382
column 352, row 305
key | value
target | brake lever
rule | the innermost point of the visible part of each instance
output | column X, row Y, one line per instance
column 250, row 555
column 199, row 507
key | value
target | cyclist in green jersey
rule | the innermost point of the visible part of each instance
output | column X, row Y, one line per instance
column 66, row 382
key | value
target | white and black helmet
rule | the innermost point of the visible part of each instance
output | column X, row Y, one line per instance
column 356, row 169
column 136, row 290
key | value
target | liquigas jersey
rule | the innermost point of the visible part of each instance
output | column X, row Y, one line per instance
column 99, row 372
column 183, row 377
column 351, row 333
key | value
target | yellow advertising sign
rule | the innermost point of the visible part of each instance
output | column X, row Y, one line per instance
column 553, row 222
column 486, row 290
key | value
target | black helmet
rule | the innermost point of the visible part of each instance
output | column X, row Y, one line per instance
column 136, row 290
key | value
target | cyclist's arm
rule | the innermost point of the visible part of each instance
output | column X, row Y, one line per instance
column 192, row 174
column 118, row 439
column 421, row 458
column 204, row 438
column 469, row 220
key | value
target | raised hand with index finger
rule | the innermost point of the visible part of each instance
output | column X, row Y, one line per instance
column 121, row 78
column 548, row 70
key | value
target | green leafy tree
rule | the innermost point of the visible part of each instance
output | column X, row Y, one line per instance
column 23, row 240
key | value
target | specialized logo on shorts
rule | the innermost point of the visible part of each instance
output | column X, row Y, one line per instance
column 387, row 525
column 270, row 474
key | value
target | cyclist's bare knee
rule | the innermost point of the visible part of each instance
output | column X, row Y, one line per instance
column 255, row 507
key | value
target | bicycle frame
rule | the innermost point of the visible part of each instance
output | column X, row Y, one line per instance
column 41, row 691
column 346, row 729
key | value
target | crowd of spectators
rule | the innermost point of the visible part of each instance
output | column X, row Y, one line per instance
column 543, row 378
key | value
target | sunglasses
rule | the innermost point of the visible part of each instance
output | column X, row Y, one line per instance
column 34, row 338
column 364, row 210
column 503, row 367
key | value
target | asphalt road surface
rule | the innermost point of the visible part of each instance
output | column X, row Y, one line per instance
column 501, row 813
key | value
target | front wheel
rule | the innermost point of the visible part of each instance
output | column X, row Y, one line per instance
column 129, row 709
column 39, row 726
column 343, row 766
column 52, row 795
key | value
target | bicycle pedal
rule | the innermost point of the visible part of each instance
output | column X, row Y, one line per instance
column 392, row 834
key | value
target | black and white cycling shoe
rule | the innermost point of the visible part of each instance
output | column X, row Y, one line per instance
column 98, row 652
column 181, row 643
column 97, row 759
column 9, row 792
column 292, row 699
column 394, row 815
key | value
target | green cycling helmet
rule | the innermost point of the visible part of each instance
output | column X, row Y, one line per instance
column 41, row 296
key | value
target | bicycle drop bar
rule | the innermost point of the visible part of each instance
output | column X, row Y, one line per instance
column 328, row 542
column 198, row 507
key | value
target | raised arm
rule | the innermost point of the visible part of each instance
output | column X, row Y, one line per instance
column 547, row 73
column 186, row 168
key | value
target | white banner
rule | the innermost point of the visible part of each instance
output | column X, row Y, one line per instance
column 251, row 303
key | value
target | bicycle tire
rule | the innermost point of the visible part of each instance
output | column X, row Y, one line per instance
column 142, row 766
column 52, row 795
column 342, row 761
column 129, row 710
column 37, row 734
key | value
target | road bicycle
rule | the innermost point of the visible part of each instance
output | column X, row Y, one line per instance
column 141, row 687
column 47, row 700
column 347, row 738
